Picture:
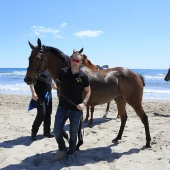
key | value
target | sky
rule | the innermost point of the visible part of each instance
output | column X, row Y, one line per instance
column 126, row 33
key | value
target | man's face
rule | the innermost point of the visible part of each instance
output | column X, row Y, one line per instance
column 76, row 61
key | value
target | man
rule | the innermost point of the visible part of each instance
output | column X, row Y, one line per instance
column 41, row 94
column 74, row 83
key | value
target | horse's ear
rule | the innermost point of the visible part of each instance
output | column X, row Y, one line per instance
column 32, row 46
column 39, row 43
column 81, row 50
column 74, row 51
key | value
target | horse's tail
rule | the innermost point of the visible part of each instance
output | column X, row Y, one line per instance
column 142, row 78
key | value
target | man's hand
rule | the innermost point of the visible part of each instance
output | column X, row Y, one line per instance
column 81, row 106
column 34, row 96
column 53, row 86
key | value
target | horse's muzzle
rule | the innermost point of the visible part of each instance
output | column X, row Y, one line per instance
column 29, row 80
column 166, row 79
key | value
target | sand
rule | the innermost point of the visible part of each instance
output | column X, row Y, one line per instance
column 17, row 152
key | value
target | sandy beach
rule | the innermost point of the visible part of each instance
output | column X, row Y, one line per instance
column 17, row 152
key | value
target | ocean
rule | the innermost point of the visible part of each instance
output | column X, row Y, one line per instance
column 12, row 82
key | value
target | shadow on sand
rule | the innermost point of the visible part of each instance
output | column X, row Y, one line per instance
column 161, row 115
column 89, row 156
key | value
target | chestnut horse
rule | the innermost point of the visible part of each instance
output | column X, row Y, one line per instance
column 119, row 83
column 88, row 64
column 167, row 77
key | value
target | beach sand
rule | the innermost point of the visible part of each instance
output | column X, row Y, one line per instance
column 17, row 152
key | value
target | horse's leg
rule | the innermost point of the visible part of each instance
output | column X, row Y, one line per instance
column 65, row 135
column 144, row 118
column 87, row 113
column 91, row 118
column 80, row 135
column 123, row 115
column 107, row 110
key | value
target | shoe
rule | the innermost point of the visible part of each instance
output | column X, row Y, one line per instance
column 69, row 159
column 48, row 135
column 60, row 154
column 33, row 136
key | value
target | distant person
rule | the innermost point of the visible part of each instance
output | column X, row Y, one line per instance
column 42, row 97
column 73, row 83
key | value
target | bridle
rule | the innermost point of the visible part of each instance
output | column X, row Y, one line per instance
column 38, row 74
column 38, row 70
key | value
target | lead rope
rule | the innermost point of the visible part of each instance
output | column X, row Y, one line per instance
column 42, row 79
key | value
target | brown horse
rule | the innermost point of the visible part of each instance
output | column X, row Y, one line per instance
column 167, row 77
column 88, row 64
column 118, row 83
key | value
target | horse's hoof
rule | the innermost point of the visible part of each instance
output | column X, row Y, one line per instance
column 90, row 125
column 77, row 148
column 115, row 140
column 105, row 116
column 148, row 146
column 86, row 120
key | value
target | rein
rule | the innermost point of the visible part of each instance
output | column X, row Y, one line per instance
column 37, row 75
column 42, row 79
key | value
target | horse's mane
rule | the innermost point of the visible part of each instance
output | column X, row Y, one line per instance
column 88, row 60
column 59, row 53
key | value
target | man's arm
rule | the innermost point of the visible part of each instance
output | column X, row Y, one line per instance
column 34, row 94
column 54, row 85
column 87, row 93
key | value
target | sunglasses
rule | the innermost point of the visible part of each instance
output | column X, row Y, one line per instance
column 75, row 61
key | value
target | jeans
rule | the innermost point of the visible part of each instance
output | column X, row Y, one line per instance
column 61, row 116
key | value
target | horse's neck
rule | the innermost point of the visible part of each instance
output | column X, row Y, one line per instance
column 88, row 71
column 55, row 64
column 90, row 65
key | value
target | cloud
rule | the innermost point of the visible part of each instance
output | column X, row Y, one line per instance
column 37, row 30
column 63, row 24
column 43, row 31
column 58, row 36
column 88, row 33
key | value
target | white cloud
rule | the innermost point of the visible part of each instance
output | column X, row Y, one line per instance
column 37, row 30
column 63, row 24
column 58, row 36
column 88, row 33
column 42, row 31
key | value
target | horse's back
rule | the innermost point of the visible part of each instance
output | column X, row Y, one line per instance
column 110, row 83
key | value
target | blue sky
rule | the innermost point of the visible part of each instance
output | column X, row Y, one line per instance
column 127, row 33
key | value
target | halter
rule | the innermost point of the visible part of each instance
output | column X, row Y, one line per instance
column 42, row 58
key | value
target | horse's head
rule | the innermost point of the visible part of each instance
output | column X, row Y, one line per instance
column 167, row 77
column 75, row 51
column 88, row 63
column 37, row 63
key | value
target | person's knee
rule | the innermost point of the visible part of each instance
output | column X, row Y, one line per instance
column 73, row 136
column 57, row 133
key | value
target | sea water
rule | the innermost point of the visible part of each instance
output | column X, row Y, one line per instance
column 12, row 82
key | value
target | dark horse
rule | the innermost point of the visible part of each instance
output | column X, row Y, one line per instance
column 119, row 84
column 167, row 77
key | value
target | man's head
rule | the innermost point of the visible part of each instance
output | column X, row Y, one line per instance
column 76, row 60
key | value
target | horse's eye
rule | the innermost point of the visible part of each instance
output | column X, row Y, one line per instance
column 37, row 59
